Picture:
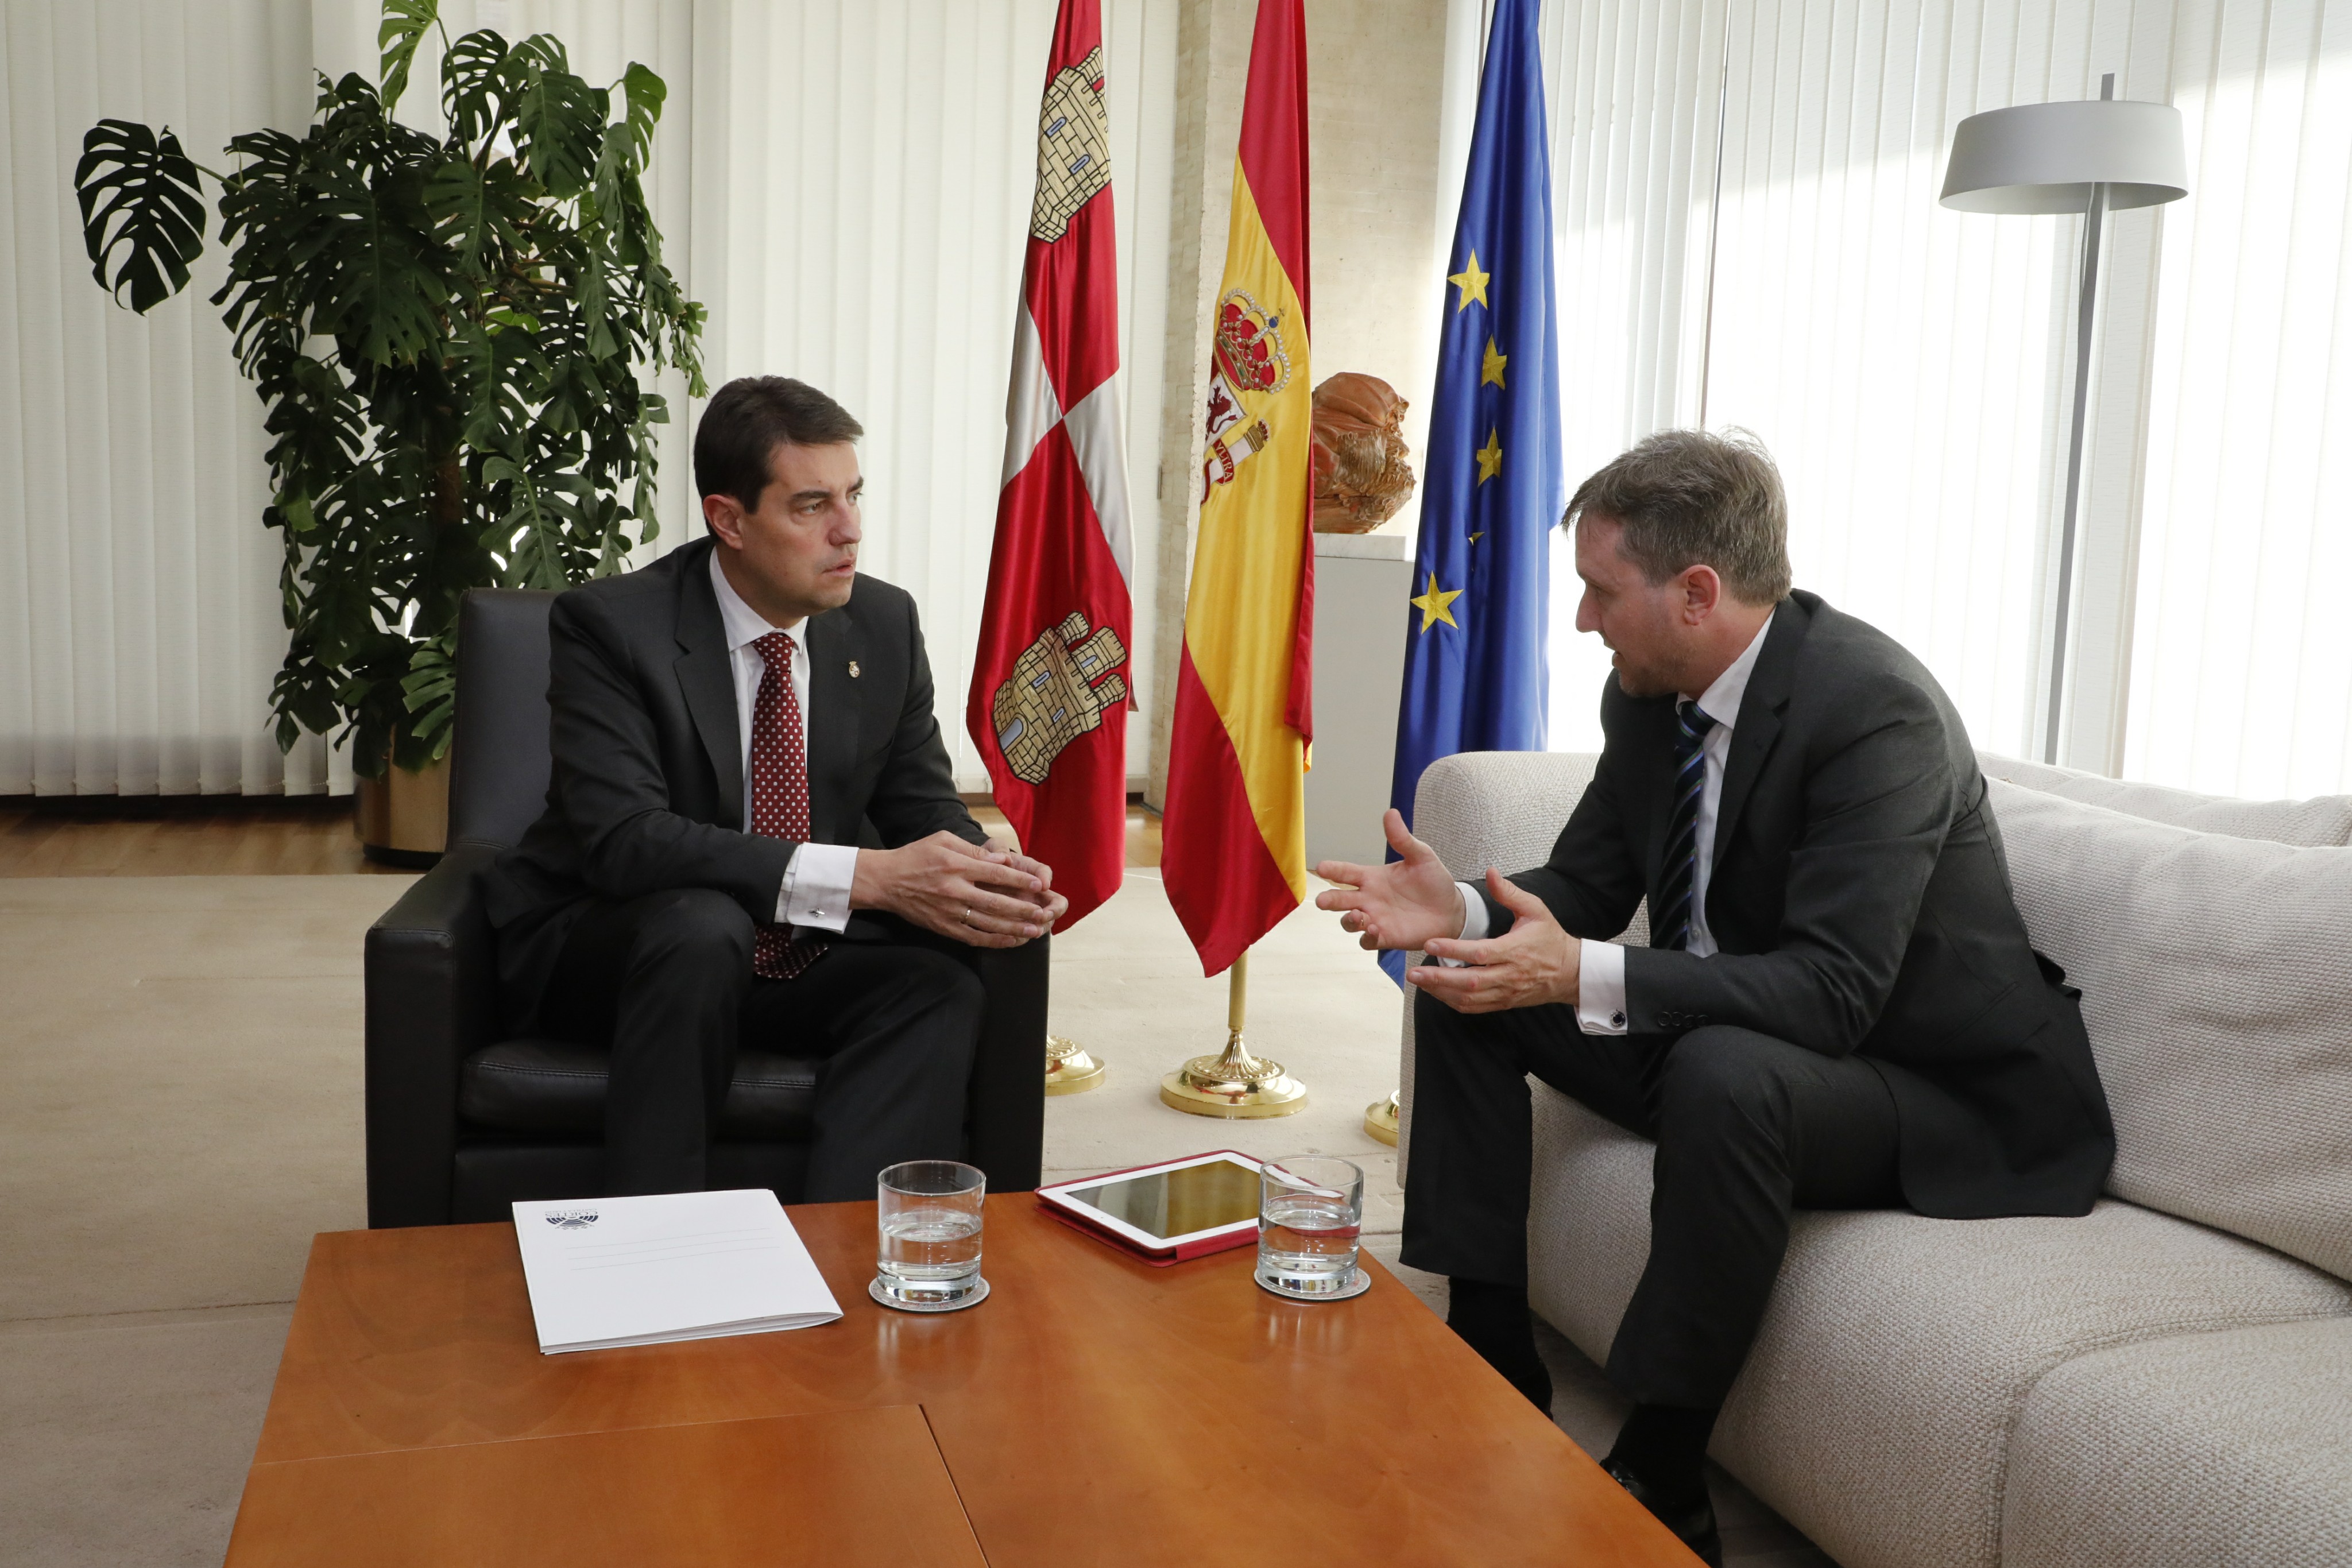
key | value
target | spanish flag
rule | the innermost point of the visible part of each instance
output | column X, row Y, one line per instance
column 1233, row 848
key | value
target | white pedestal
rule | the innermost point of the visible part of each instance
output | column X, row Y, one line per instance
column 1361, row 583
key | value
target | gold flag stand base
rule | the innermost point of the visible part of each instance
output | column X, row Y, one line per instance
column 1381, row 1120
column 1233, row 1084
column 1069, row 1068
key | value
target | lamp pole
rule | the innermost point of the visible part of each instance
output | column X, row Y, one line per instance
column 2086, row 320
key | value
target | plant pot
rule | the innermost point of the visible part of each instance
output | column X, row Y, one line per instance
column 402, row 818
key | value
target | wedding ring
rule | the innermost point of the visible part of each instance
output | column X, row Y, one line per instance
column 966, row 915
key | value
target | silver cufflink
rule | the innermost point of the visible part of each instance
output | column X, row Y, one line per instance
column 853, row 669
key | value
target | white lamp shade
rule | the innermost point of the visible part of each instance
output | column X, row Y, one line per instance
column 2045, row 157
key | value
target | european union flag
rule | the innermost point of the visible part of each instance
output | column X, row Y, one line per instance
column 1475, row 676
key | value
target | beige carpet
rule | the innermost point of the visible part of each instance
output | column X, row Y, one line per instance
column 180, row 1101
column 179, row 1113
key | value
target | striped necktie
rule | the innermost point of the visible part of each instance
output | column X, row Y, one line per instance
column 1670, row 922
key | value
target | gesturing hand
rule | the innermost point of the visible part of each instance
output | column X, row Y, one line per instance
column 1533, row 963
column 972, row 893
column 1402, row 905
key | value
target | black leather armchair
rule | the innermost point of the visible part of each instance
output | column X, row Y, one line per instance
column 461, row 1122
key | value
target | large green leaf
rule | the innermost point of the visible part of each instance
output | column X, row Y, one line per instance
column 644, row 93
column 474, row 86
column 535, row 524
column 380, row 286
column 479, row 209
column 429, row 690
column 561, row 117
column 404, row 26
column 138, row 196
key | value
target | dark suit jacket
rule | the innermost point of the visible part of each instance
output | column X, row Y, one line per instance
column 1861, row 905
column 647, row 791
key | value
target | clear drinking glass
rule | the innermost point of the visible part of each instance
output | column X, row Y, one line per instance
column 931, row 1231
column 1311, row 1217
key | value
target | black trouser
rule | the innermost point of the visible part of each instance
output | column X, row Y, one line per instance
column 1748, row 1128
column 665, row 982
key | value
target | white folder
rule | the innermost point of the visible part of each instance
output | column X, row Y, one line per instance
column 612, row 1272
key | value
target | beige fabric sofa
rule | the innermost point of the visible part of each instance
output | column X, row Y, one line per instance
column 2164, row 1382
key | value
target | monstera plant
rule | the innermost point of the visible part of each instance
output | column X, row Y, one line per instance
column 453, row 339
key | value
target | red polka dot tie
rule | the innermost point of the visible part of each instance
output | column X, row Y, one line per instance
column 780, row 796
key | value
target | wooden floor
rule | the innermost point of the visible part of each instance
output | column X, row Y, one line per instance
column 180, row 835
column 231, row 835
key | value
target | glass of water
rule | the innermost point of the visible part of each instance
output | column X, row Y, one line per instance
column 930, row 1232
column 1311, row 1217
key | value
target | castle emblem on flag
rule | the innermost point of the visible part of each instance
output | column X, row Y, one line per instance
column 1059, row 687
column 1248, row 357
column 1073, row 147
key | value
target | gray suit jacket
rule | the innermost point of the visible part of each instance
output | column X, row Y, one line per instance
column 1861, row 905
column 647, row 791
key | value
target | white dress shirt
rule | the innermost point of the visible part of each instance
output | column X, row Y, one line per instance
column 1601, row 985
column 817, row 878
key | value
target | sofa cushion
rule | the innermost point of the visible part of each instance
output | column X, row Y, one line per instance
column 2182, row 1453
column 2217, row 986
column 1897, row 1351
column 550, row 1087
column 2325, row 820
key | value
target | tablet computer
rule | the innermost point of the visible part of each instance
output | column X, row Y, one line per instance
column 1177, row 1208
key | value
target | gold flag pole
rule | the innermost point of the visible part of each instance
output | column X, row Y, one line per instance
column 1233, row 1084
column 1070, row 1068
column 1381, row 1120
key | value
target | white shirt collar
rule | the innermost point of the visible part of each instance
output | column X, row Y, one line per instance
column 1720, row 702
column 744, row 624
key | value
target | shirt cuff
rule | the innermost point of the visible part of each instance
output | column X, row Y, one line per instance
column 1474, row 921
column 1601, row 988
column 816, row 887
column 1474, row 912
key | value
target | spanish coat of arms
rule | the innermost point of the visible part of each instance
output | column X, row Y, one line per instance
column 1248, row 356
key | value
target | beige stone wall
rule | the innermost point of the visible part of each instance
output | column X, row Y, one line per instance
column 1376, row 74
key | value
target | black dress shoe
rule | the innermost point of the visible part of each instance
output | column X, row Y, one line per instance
column 1692, row 1523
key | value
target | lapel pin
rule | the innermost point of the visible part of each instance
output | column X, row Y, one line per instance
column 853, row 669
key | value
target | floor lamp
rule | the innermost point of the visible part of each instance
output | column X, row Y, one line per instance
column 2093, row 158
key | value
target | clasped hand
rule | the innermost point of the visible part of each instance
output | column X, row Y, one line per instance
column 1413, row 903
column 977, row 893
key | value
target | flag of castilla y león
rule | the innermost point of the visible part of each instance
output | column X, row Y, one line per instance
column 1049, row 696
column 1234, row 850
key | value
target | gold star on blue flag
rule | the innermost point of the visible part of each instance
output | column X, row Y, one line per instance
column 1434, row 605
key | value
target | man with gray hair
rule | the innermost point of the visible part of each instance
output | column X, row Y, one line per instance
column 1838, row 1007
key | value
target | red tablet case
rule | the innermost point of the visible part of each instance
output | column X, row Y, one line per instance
column 1157, row 1256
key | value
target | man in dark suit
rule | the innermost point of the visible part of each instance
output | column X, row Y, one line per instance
column 1838, row 1009
column 751, row 829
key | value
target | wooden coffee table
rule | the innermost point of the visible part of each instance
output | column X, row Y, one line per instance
column 1093, row 1411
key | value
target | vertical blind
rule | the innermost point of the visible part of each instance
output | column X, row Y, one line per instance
column 2241, row 658
column 1633, row 86
column 847, row 185
column 139, row 618
column 1905, row 363
column 1910, row 367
